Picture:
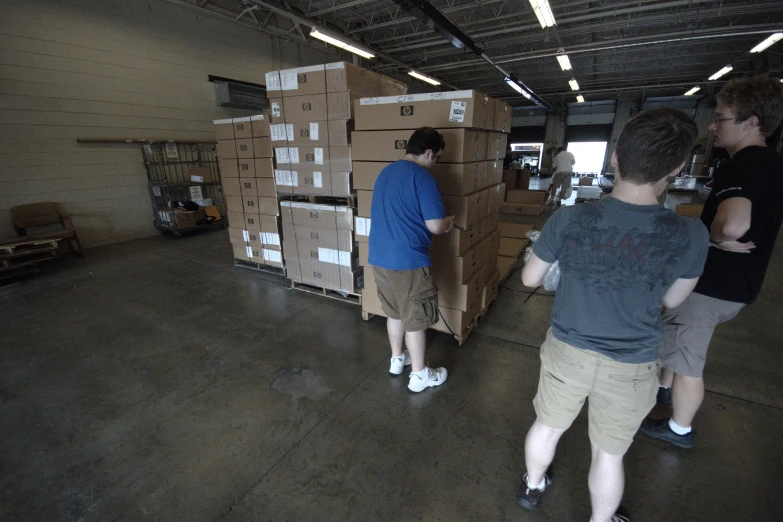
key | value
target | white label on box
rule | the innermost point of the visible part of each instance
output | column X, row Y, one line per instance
column 275, row 256
column 319, row 156
column 314, row 130
column 197, row 179
column 276, row 109
column 289, row 129
column 171, row 151
column 458, row 111
column 216, row 122
column 318, row 180
column 245, row 235
column 241, row 120
column 283, row 178
column 281, row 153
column 404, row 98
column 271, row 238
column 289, row 81
column 335, row 65
column 273, row 81
column 156, row 191
column 277, row 131
column 293, row 154
column 249, row 251
column 195, row 193
column 326, row 255
column 306, row 69
column 361, row 227
column 345, row 258
column 257, row 117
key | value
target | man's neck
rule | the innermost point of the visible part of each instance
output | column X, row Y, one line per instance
column 635, row 194
column 415, row 159
column 754, row 140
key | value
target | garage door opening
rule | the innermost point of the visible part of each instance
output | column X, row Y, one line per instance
column 528, row 155
column 589, row 156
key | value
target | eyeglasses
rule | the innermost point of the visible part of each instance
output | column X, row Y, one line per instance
column 718, row 120
column 437, row 157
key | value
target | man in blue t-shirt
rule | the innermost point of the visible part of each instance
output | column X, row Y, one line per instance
column 406, row 210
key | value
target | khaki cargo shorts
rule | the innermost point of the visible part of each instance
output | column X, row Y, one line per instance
column 408, row 295
column 562, row 178
column 620, row 394
column 687, row 331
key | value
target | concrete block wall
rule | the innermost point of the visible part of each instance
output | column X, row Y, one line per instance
column 112, row 69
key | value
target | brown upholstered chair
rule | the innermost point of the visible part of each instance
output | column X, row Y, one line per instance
column 41, row 215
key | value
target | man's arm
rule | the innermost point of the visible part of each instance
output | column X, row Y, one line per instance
column 678, row 292
column 732, row 220
column 440, row 226
column 534, row 271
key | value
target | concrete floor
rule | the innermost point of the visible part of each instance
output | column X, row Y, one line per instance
column 154, row 380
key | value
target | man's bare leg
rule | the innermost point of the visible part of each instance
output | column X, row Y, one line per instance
column 666, row 378
column 687, row 396
column 417, row 346
column 606, row 482
column 396, row 336
column 540, row 445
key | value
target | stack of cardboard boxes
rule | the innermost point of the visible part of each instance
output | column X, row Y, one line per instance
column 311, row 123
column 245, row 159
column 513, row 240
column 474, row 127
column 521, row 203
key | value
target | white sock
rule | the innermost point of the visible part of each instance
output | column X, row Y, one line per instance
column 399, row 356
column 664, row 387
column 539, row 486
column 679, row 430
column 422, row 374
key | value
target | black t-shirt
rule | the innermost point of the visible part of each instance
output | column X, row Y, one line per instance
column 755, row 173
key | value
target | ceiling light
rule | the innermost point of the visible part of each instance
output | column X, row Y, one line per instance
column 720, row 73
column 695, row 89
column 514, row 85
column 424, row 78
column 543, row 13
column 766, row 43
column 565, row 63
column 580, row 98
column 324, row 37
column 574, row 85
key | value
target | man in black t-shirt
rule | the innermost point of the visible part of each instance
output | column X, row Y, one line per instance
column 743, row 214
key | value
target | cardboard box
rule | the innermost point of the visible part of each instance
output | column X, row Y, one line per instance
column 228, row 168
column 364, row 254
column 525, row 209
column 234, row 203
column 265, row 187
column 503, row 115
column 457, row 268
column 242, row 128
column 268, row 206
column 240, row 252
column 320, row 237
column 181, row 219
column 236, row 219
column 301, row 133
column 264, row 168
column 515, row 230
column 455, row 242
column 237, row 236
column 244, row 148
column 272, row 257
column 456, row 322
column 364, row 198
column 689, row 210
column 369, row 280
column 343, row 76
column 249, row 187
column 340, row 105
column 496, row 146
column 326, row 274
column 463, row 109
column 494, row 172
column 231, row 187
column 466, row 210
column 362, row 227
column 311, row 159
column 490, row 291
column 371, row 303
column 313, row 183
column 510, row 178
column 490, row 223
column 247, row 167
column 524, row 179
column 339, row 132
column 314, row 214
column 459, row 179
column 512, row 247
column 276, row 110
column 200, row 175
column 496, row 196
column 527, row 196
column 253, row 222
column 366, row 172
column 262, row 147
column 462, row 145
column 226, row 149
column 259, row 126
column 296, row 82
column 505, row 266
column 250, row 204
column 305, row 108
column 451, row 294
column 224, row 129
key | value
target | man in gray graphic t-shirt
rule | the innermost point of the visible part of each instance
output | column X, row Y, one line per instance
column 620, row 258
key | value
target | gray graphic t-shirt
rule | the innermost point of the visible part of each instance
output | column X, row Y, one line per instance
column 617, row 261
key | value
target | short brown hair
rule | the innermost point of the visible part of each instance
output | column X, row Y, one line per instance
column 759, row 96
column 423, row 139
column 653, row 144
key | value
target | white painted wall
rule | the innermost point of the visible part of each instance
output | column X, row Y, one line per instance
column 112, row 68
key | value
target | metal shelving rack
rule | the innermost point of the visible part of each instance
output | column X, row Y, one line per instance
column 167, row 165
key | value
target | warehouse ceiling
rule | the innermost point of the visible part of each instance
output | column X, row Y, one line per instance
column 617, row 48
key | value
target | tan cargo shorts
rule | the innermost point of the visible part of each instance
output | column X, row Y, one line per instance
column 562, row 178
column 687, row 331
column 620, row 394
column 408, row 295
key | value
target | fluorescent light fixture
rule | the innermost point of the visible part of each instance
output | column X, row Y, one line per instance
column 514, row 85
column 324, row 37
column 766, row 43
column 580, row 98
column 565, row 63
column 720, row 73
column 424, row 78
column 694, row 90
column 574, row 85
column 543, row 13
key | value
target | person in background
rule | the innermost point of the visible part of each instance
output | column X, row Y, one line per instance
column 619, row 258
column 406, row 210
column 563, row 168
column 743, row 214
column 508, row 159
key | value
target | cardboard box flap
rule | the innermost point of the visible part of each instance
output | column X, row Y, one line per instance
column 451, row 95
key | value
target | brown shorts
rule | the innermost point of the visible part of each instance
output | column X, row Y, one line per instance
column 620, row 394
column 687, row 331
column 408, row 295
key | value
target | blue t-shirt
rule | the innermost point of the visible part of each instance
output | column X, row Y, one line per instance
column 405, row 196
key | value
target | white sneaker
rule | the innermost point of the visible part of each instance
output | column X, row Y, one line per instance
column 398, row 364
column 549, row 200
column 432, row 377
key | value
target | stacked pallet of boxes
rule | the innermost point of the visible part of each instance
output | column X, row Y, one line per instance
column 311, row 121
column 513, row 240
column 245, row 159
column 474, row 127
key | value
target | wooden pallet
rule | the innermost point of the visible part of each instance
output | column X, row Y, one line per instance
column 339, row 295
column 338, row 201
column 461, row 337
column 23, row 247
column 260, row 267
column 11, row 263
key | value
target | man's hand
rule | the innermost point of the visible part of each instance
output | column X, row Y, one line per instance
column 450, row 224
column 734, row 246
